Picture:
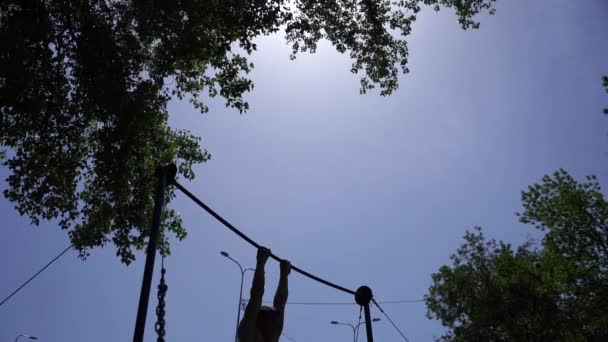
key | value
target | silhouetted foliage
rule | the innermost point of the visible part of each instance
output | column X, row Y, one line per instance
column 84, row 87
column 556, row 292
column 575, row 218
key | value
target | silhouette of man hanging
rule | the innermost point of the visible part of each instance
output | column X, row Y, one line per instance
column 262, row 323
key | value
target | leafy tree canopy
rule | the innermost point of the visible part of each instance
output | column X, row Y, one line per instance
column 554, row 292
column 84, row 87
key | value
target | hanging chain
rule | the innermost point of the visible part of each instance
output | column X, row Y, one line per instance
column 160, row 308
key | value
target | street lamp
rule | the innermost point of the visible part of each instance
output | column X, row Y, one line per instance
column 238, row 314
column 26, row 336
column 354, row 327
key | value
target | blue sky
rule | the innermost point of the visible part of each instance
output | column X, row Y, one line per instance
column 356, row 189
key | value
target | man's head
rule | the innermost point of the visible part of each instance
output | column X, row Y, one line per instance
column 269, row 324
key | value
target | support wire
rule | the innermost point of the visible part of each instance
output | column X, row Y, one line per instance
column 390, row 320
column 37, row 273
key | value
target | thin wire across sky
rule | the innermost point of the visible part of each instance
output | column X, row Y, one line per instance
column 246, row 238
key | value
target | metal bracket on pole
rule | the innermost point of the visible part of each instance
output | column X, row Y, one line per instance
column 363, row 296
column 164, row 176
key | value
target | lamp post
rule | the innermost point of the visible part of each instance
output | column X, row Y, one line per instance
column 238, row 314
column 354, row 327
column 26, row 336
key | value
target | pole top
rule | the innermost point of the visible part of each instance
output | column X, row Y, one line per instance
column 169, row 171
column 363, row 295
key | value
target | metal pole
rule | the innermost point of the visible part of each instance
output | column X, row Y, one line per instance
column 161, row 182
column 357, row 331
column 359, row 326
column 238, row 312
column 368, row 323
column 363, row 296
column 238, row 315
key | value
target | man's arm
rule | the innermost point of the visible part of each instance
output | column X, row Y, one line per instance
column 280, row 297
column 247, row 326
